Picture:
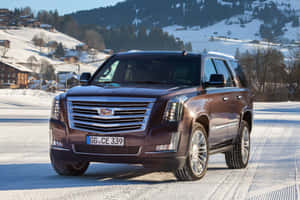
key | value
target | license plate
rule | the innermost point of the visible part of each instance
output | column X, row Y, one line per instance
column 105, row 141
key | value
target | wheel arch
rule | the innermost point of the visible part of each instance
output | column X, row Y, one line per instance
column 204, row 121
column 248, row 117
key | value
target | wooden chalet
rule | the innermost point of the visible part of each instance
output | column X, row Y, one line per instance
column 5, row 17
column 13, row 75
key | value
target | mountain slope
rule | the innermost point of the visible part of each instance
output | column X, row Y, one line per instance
column 218, row 25
column 190, row 12
column 22, row 47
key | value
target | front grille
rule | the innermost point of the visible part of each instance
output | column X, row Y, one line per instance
column 105, row 150
column 109, row 114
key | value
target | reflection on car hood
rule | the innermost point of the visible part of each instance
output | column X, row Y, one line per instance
column 128, row 91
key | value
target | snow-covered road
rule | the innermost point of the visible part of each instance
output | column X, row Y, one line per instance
column 26, row 173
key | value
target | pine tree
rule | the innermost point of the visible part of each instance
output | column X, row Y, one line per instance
column 60, row 51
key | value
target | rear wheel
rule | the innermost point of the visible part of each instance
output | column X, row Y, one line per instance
column 196, row 163
column 238, row 157
column 68, row 168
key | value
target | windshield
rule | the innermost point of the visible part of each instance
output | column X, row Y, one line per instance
column 175, row 70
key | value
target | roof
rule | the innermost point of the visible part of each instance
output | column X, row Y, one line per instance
column 18, row 67
column 175, row 53
column 45, row 26
column 157, row 53
column 66, row 68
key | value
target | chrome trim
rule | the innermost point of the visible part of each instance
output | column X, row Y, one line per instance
column 112, row 99
column 122, row 101
column 226, row 125
column 101, row 154
column 59, row 148
column 160, row 152
column 220, row 150
column 115, row 109
column 109, row 117
column 101, row 125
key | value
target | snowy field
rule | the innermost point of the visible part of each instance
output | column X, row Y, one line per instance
column 26, row 173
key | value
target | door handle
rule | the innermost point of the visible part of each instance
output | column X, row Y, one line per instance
column 225, row 98
column 239, row 97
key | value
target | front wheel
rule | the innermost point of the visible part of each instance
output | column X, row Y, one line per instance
column 195, row 166
column 68, row 168
column 238, row 157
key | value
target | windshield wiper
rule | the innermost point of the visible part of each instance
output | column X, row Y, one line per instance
column 107, row 83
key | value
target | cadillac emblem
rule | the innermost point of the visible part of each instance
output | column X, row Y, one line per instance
column 105, row 111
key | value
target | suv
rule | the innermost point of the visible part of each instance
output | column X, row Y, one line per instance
column 165, row 110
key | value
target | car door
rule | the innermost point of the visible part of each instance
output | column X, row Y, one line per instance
column 240, row 92
column 218, row 108
column 232, row 94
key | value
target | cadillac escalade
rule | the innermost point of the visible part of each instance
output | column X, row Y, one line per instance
column 165, row 110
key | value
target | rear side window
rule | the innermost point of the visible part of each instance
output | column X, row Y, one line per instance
column 240, row 73
column 222, row 68
column 209, row 69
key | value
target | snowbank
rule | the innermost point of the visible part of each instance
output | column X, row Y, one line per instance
column 27, row 97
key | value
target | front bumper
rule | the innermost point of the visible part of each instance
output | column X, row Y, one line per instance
column 146, row 141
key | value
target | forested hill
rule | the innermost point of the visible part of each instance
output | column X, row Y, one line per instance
column 202, row 13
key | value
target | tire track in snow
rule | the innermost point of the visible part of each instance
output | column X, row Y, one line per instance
column 230, row 187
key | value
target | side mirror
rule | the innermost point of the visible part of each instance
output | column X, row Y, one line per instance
column 84, row 78
column 216, row 80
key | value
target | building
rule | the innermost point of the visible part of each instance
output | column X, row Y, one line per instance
column 47, row 27
column 82, row 47
column 5, row 17
column 13, row 75
column 5, row 43
column 71, row 59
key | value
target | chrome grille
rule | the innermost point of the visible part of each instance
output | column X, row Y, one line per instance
column 124, row 114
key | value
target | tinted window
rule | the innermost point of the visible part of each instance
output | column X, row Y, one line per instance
column 177, row 70
column 209, row 69
column 223, row 69
column 240, row 73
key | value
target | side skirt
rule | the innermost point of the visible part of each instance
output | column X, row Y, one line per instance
column 220, row 150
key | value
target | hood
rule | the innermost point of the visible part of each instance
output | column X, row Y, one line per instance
column 146, row 91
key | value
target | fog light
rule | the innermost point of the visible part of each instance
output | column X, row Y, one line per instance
column 53, row 141
column 173, row 144
column 57, row 143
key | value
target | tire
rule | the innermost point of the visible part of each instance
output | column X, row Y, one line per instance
column 197, row 157
column 68, row 168
column 238, row 158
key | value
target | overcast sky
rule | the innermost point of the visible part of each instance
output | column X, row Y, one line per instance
column 63, row 6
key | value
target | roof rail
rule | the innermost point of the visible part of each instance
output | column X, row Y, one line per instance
column 221, row 54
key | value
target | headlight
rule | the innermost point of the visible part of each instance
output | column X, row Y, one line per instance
column 55, row 113
column 174, row 109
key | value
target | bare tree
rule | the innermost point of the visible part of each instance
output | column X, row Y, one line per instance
column 40, row 40
column 47, row 71
column 33, row 61
column 94, row 40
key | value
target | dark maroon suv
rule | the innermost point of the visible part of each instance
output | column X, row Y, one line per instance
column 165, row 110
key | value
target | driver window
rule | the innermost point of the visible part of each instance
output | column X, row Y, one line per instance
column 109, row 73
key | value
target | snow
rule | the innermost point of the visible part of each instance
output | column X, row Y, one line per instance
column 16, row 66
column 26, row 173
column 228, row 37
column 26, row 97
column 21, row 47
